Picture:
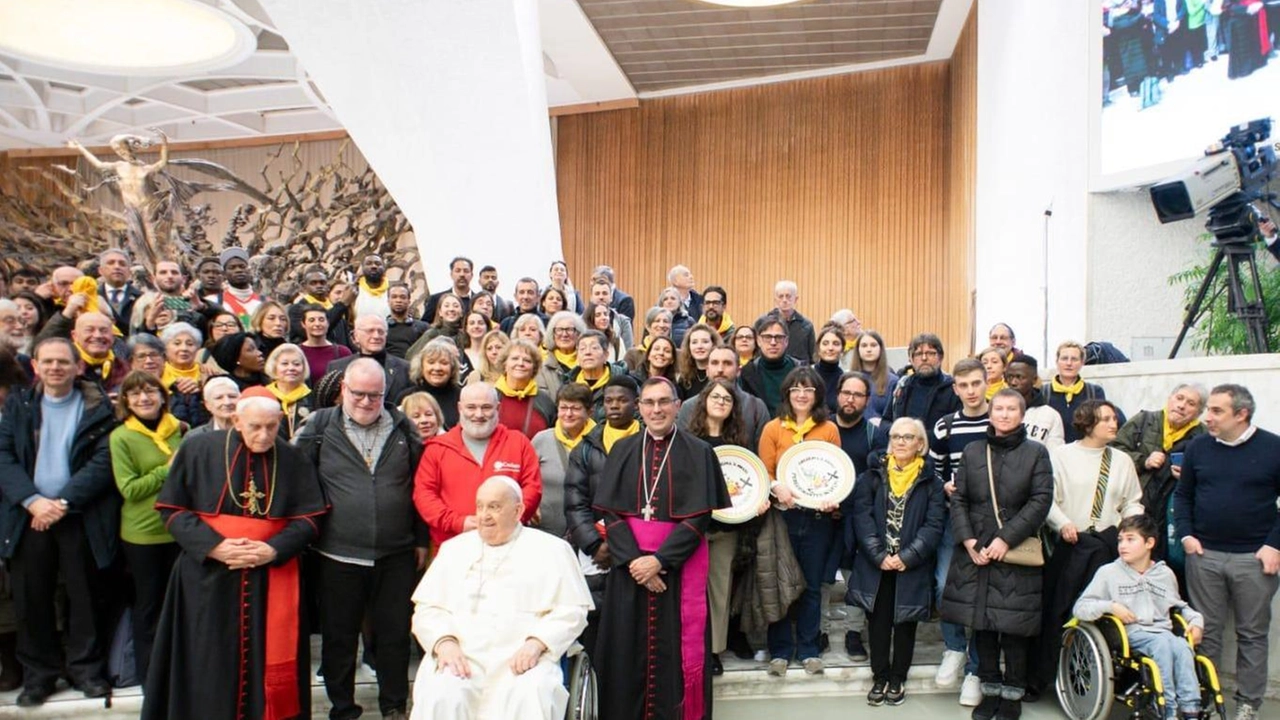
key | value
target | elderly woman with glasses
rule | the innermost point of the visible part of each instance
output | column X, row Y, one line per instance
column 897, row 521
column 183, row 376
column 560, row 350
column 801, row 416
column 146, row 353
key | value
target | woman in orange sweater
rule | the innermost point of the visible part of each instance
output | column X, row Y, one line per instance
column 802, row 416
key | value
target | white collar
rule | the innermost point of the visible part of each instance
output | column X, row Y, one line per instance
column 1244, row 437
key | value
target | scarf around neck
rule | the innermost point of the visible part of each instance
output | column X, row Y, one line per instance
column 1172, row 435
column 726, row 323
column 613, row 435
column 310, row 299
column 1071, row 390
column 103, row 363
column 799, row 431
column 996, row 387
column 571, row 443
column 596, row 385
column 506, row 390
column 167, row 427
column 290, row 398
column 567, row 360
column 173, row 374
column 900, row 478
column 375, row 291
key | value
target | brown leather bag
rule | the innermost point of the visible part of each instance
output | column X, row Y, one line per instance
column 1029, row 552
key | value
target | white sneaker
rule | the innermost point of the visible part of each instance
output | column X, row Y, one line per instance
column 951, row 669
column 971, row 691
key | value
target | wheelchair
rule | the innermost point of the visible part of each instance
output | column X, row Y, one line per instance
column 1097, row 672
column 580, row 681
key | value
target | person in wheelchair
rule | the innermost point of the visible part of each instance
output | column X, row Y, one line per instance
column 1141, row 593
column 495, row 612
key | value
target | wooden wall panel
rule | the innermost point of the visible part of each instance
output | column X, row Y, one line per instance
column 964, row 171
column 842, row 184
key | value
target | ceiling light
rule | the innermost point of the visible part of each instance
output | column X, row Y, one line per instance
column 124, row 37
column 751, row 3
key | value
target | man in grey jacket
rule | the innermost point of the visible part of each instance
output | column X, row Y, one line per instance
column 365, row 456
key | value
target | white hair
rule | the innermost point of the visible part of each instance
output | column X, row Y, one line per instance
column 173, row 330
column 512, row 487
column 786, row 286
column 673, row 272
column 216, row 382
column 842, row 316
column 257, row 402
column 378, row 318
column 8, row 305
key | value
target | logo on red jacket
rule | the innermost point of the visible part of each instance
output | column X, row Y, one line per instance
column 502, row 466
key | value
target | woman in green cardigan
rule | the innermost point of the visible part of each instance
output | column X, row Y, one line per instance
column 141, row 450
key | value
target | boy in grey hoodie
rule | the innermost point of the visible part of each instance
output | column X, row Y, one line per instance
column 1141, row 593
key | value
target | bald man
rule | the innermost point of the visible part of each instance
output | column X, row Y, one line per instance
column 94, row 338
column 370, row 339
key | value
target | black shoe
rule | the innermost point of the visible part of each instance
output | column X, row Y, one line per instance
column 895, row 694
column 716, row 668
column 875, row 698
column 986, row 709
column 741, row 647
column 34, row 696
column 94, row 688
column 824, row 643
column 1031, row 694
column 853, row 646
column 1009, row 710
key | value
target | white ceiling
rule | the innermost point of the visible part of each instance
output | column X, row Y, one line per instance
column 270, row 94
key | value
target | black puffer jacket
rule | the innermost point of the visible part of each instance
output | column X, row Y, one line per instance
column 998, row 596
column 586, row 464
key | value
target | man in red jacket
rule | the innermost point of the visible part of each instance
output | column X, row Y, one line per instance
column 455, row 464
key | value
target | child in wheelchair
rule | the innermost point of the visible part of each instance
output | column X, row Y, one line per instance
column 1141, row 593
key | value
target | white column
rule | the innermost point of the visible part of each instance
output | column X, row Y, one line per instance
column 447, row 101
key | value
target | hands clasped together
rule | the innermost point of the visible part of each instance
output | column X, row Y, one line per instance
column 241, row 553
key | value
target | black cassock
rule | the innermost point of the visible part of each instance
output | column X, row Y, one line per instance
column 651, row 653
column 217, row 655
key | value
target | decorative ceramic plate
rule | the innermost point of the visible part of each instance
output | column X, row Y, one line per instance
column 748, row 482
column 817, row 473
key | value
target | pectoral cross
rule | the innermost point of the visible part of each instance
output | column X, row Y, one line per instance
column 251, row 496
column 647, row 512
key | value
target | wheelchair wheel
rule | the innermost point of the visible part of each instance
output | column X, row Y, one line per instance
column 1086, row 682
column 583, row 701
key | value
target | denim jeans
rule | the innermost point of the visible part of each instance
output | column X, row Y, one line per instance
column 1177, row 666
column 953, row 635
column 811, row 534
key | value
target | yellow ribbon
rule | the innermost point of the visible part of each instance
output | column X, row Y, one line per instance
column 571, row 443
column 290, row 398
column 1171, row 434
column 799, row 431
column 173, row 374
column 900, row 478
column 160, row 436
column 604, row 380
column 104, row 363
column 1070, row 391
column 378, row 291
column 613, row 435
column 527, row 391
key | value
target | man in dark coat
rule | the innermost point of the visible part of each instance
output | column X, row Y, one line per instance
column 230, row 643
column 657, row 494
column 59, row 509
column 927, row 393
column 1001, row 601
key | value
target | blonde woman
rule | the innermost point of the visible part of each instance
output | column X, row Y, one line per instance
column 490, row 367
column 288, row 370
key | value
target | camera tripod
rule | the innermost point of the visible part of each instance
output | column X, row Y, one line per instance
column 1234, row 229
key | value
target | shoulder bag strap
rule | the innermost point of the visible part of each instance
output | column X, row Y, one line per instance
column 528, row 415
column 1104, row 473
column 991, row 478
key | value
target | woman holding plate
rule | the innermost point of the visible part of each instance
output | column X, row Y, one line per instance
column 802, row 417
column 718, row 420
column 897, row 520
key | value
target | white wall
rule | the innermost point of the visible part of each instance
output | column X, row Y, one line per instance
column 1033, row 135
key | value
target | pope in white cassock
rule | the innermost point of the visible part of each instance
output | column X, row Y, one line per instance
column 496, row 611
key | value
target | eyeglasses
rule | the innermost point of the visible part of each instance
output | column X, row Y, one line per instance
column 772, row 338
column 140, row 356
column 376, row 332
column 921, row 354
column 226, row 325
column 651, row 403
column 904, row 437
column 851, row 394
column 798, row 390
column 565, row 331
column 717, row 303
column 569, row 409
column 722, row 399
column 365, row 396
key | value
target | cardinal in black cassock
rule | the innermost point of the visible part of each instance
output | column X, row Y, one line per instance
column 656, row 495
column 230, row 642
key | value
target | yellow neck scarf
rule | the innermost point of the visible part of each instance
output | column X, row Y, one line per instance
column 173, row 374
column 88, row 287
column 168, row 426
column 527, row 391
column 743, row 361
column 799, row 431
column 310, row 299
column 648, row 340
column 996, row 387
column 567, row 360
column 604, row 380
column 571, row 443
column 850, row 344
column 900, row 478
column 378, row 291
column 726, row 323
column 613, row 435
column 290, row 398
column 1071, row 390
column 1172, row 436
column 103, row 363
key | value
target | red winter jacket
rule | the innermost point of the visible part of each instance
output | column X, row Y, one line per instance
column 444, row 490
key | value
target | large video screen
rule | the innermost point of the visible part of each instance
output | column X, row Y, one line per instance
column 1177, row 74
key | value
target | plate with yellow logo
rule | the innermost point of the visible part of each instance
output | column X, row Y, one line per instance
column 817, row 473
column 748, row 481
